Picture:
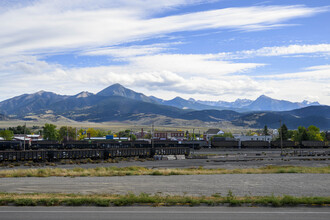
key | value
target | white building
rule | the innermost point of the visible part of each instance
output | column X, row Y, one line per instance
column 253, row 138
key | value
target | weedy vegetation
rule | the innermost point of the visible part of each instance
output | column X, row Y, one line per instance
column 51, row 199
column 135, row 170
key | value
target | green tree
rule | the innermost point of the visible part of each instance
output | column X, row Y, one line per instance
column 265, row 131
column 133, row 137
column 147, row 136
column 250, row 133
column 283, row 130
column 50, row 132
column 65, row 132
column 323, row 135
column 82, row 134
column 225, row 135
column 20, row 129
column 125, row 133
column 7, row 134
column 92, row 132
column 101, row 133
column 314, row 134
column 300, row 134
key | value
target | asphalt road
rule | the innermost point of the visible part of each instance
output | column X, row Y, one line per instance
column 173, row 213
column 239, row 184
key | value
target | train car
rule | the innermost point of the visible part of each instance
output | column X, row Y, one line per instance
column 38, row 145
column 286, row 144
column 113, row 144
column 80, row 145
column 221, row 143
column 164, row 143
column 11, row 145
column 55, row 155
column 313, row 144
column 193, row 144
column 255, row 144
column 29, row 155
column 171, row 151
column 127, row 152
column 141, row 144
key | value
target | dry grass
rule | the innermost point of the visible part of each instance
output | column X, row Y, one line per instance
column 134, row 170
column 51, row 199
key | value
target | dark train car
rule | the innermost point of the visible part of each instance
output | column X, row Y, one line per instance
column 255, row 144
column 222, row 143
column 171, row 151
column 113, row 144
column 30, row 155
column 75, row 154
column 277, row 144
column 11, row 145
column 141, row 144
column 126, row 152
column 38, row 145
column 165, row 143
column 313, row 144
column 79, row 145
column 193, row 144
column 123, row 144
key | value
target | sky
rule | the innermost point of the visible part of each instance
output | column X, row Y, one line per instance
column 206, row 50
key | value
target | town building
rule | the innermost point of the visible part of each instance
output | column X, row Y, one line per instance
column 211, row 132
column 165, row 135
column 255, row 137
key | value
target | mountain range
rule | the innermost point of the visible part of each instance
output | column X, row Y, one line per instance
column 117, row 103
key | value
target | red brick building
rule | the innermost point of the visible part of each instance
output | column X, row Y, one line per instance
column 169, row 135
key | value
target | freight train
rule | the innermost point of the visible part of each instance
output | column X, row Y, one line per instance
column 220, row 143
column 53, row 151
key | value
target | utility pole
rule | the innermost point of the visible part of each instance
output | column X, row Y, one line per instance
column 152, row 136
column 24, row 135
column 281, row 138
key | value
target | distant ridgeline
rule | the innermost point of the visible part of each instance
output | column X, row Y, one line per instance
column 117, row 103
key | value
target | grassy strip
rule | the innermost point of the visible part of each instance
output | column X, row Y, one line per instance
column 134, row 170
column 48, row 199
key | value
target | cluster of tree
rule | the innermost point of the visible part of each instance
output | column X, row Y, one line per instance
column 7, row 134
column 126, row 133
column 70, row 133
column 260, row 132
column 225, row 135
column 312, row 133
column 20, row 129
column 91, row 132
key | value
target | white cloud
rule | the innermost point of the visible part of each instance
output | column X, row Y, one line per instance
column 285, row 50
column 185, row 74
column 298, row 90
column 314, row 73
column 130, row 51
column 101, row 27
column 48, row 26
column 310, row 84
column 165, row 82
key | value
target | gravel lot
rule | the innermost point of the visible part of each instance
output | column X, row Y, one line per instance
column 229, row 163
column 239, row 184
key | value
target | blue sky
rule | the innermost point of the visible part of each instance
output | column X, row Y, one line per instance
column 207, row 50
